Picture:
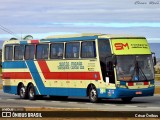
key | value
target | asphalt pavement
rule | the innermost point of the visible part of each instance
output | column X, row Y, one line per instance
column 137, row 104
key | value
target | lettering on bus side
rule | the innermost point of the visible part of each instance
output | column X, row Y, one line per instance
column 121, row 46
column 70, row 65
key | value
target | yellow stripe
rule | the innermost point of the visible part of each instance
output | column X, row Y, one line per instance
column 16, row 70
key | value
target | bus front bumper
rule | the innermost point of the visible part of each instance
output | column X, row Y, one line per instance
column 124, row 92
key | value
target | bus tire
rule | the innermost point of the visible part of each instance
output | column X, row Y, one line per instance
column 31, row 92
column 127, row 99
column 22, row 92
column 93, row 95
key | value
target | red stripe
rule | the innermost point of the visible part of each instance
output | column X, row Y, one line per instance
column 34, row 41
column 16, row 75
column 146, row 83
column 44, row 67
column 130, row 83
column 67, row 75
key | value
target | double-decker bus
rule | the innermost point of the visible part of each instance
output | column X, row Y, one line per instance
column 97, row 66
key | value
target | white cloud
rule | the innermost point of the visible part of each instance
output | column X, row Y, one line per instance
column 153, row 40
column 98, row 24
column 35, row 35
column 85, row 16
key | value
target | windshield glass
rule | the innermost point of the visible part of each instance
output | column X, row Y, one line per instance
column 135, row 68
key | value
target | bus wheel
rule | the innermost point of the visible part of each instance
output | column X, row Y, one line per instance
column 93, row 96
column 127, row 99
column 31, row 92
column 22, row 92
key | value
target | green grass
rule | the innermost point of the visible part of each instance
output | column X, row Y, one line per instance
column 157, row 77
column 157, row 90
column 0, row 86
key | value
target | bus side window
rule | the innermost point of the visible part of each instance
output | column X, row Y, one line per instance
column 19, row 52
column 8, row 52
column 88, row 49
column 57, row 50
column 42, row 51
column 29, row 52
column 72, row 50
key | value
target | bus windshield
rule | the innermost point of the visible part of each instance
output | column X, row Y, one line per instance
column 135, row 68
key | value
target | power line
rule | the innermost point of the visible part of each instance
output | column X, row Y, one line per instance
column 8, row 31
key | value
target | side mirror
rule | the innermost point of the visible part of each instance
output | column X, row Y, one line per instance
column 154, row 59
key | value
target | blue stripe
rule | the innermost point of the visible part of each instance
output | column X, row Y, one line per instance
column 123, row 92
column 23, row 42
column 36, row 76
column 81, row 92
column 122, row 83
column 13, row 64
column 76, row 92
column 64, row 39
column 51, row 90
column 10, row 89
column 71, row 39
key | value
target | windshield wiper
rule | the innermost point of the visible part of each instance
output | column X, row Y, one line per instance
column 139, row 70
column 143, row 73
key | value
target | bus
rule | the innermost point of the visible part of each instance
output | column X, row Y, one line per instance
column 97, row 66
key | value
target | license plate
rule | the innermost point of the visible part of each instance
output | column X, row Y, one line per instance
column 139, row 83
column 138, row 93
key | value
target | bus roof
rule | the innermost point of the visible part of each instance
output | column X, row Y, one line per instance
column 99, row 35
column 76, row 37
column 119, row 36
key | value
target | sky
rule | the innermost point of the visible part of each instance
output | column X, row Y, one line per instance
column 42, row 18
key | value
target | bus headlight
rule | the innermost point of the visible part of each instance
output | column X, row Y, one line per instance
column 151, row 85
column 122, row 86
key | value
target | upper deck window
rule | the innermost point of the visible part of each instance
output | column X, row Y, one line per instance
column 8, row 52
column 57, row 50
column 29, row 52
column 18, row 52
column 42, row 51
column 88, row 49
column 72, row 50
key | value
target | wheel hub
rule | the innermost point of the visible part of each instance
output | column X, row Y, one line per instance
column 22, row 91
column 31, row 92
column 93, row 94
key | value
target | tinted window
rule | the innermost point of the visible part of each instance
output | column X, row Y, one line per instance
column 29, row 52
column 8, row 52
column 57, row 50
column 104, row 48
column 42, row 51
column 72, row 50
column 88, row 49
column 18, row 52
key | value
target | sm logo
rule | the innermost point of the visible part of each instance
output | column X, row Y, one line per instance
column 121, row 46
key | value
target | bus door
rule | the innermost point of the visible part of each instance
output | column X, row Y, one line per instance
column 106, row 62
column 110, row 71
